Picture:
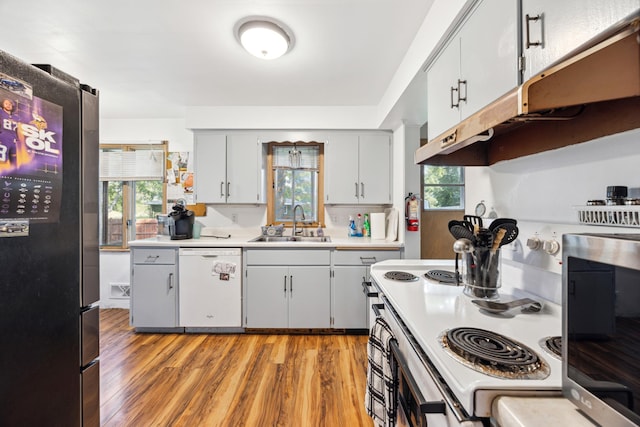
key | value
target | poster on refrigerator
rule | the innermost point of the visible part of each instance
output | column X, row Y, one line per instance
column 30, row 155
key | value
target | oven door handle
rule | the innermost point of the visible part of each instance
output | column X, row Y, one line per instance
column 365, row 289
column 424, row 406
column 376, row 309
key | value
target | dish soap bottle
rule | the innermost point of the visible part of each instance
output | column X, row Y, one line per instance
column 352, row 227
column 359, row 226
column 366, row 227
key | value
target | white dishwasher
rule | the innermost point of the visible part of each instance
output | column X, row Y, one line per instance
column 210, row 289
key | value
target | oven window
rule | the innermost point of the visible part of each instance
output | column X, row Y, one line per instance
column 603, row 332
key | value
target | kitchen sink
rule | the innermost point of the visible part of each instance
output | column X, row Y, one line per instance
column 304, row 239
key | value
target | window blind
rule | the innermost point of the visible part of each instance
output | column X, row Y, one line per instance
column 139, row 165
column 296, row 157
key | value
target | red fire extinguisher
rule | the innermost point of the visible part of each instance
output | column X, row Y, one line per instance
column 412, row 212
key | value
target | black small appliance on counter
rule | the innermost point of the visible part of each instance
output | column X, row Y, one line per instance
column 181, row 222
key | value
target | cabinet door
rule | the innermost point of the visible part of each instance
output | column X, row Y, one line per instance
column 349, row 302
column 309, row 297
column 564, row 26
column 342, row 183
column 153, row 296
column 210, row 167
column 442, row 79
column 267, row 297
column 375, row 169
column 488, row 55
column 243, row 169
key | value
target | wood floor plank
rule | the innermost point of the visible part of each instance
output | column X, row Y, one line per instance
column 229, row 379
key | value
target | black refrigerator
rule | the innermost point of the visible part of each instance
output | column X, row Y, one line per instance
column 49, row 268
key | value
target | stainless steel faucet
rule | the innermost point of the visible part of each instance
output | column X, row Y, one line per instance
column 295, row 232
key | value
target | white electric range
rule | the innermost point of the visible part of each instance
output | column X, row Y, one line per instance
column 425, row 314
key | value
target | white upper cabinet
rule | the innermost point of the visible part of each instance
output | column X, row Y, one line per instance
column 227, row 168
column 375, row 168
column 358, row 169
column 479, row 64
column 551, row 29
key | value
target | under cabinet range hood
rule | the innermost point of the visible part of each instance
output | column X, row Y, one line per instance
column 593, row 93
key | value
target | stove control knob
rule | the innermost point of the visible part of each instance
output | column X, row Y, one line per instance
column 534, row 243
column 551, row 246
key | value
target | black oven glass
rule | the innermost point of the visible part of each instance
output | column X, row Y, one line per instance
column 603, row 332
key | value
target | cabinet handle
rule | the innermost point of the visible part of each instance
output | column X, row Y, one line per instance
column 170, row 280
column 228, row 184
column 453, row 89
column 291, row 284
column 460, row 97
column 368, row 260
column 362, row 190
column 152, row 258
column 528, row 19
column 356, row 190
column 222, row 189
column 285, row 285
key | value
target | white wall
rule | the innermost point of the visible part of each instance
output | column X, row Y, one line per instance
column 172, row 130
column 541, row 192
column 406, row 179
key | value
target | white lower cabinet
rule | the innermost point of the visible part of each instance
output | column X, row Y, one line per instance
column 348, row 301
column 154, row 287
column 296, row 295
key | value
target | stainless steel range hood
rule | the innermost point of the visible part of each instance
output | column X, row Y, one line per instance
column 593, row 93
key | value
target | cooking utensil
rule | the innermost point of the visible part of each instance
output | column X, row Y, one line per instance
column 461, row 232
column 501, row 221
column 497, row 239
column 527, row 304
column 463, row 246
column 473, row 219
column 465, row 224
column 511, row 233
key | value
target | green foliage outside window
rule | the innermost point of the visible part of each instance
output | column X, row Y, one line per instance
column 443, row 187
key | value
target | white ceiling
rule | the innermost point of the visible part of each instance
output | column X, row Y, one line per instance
column 153, row 58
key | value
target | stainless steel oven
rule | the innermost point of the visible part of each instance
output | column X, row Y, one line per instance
column 601, row 326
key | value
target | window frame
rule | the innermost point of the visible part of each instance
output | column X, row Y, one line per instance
column 128, row 194
column 271, row 205
column 424, row 186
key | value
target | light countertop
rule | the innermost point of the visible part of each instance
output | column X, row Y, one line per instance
column 511, row 411
column 244, row 241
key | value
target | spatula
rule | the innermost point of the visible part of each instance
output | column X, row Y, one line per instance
column 527, row 304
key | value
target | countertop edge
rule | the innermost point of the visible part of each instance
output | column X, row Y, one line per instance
column 362, row 243
column 511, row 411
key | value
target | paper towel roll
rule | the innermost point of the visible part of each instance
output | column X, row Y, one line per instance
column 378, row 225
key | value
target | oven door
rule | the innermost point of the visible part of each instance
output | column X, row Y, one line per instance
column 421, row 400
column 412, row 406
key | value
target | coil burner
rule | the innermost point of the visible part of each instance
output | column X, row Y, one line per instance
column 442, row 276
column 493, row 354
column 400, row 276
column 553, row 346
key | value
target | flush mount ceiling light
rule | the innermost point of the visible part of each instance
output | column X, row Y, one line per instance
column 264, row 37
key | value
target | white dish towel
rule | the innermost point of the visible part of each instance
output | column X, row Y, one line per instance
column 381, row 395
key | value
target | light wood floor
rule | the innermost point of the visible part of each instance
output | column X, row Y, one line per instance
column 229, row 380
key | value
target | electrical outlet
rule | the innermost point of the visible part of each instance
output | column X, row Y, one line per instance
column 234, row 218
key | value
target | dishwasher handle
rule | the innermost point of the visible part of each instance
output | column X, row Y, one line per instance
column 210, row 252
